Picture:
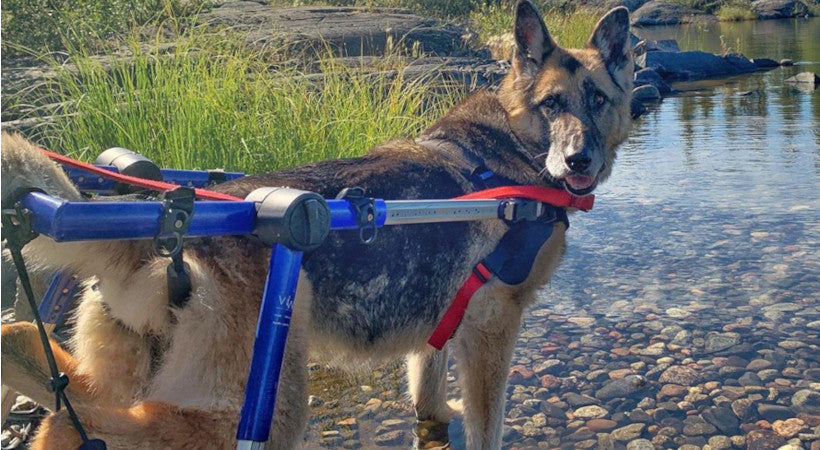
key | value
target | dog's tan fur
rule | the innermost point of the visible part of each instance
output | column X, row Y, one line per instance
column 192, row 398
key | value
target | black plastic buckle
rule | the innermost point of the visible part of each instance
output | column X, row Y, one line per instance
column 518, row 210
column 178, row 208
column 365, row 210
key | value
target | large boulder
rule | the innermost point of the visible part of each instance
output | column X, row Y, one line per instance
column 688, row 65
column 341, row 30
column 650, row 77
column 661, row 13
column 649, row 45
column 779, row 9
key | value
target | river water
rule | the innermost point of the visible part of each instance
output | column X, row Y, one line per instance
column 702, row 255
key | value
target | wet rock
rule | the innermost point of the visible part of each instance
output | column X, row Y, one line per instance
column 740, row 62
column 628, row 433
column 640, row 416
column 765, row 63
column 649, row 45
column 806, row 400
column 763, row 440
column 577, row 400
column 693, row 65
column 749, row 379
column 774, row 412
column 723, row 418
column 757, row 365
column 788, row 428
column 716, row 342
column 601, row 425
column 809, row 78
column 590, row 412
column 720, row 442
column 520, row 374
column 662, row 13
column 314, row 401
column 679, row 375
column 551, row 410
column 624, row 387
column 636, row 109
column 549, row 366
column 672, row 391
column 646, row 93
column 640, row 444
column 696, row 426
column 394, row 437
column 779, row 9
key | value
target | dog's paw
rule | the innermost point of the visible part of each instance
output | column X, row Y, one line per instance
column 24, row 167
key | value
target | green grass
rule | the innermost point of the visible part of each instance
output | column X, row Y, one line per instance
column 734, row 13
column 36, row 26
column 209, row 104
column 570, row 28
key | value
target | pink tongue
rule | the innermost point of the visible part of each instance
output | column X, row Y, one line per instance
column 580, row 182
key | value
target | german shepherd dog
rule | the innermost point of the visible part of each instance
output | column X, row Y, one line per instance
column 555, row 120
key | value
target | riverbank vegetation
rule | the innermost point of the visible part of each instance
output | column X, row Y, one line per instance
column 185, row 97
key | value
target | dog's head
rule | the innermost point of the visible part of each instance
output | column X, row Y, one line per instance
column 570, row 108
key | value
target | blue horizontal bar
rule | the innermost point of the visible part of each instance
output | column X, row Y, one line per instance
column 66, row 221
column 82, row 221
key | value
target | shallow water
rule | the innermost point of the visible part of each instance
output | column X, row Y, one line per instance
column 707, row 235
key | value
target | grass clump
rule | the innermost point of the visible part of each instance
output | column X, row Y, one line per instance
column 734, row 13
column 37, row 26
column 210, row 104
column 569, row 27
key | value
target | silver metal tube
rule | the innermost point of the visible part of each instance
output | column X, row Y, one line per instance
column 400, row 212
column 249, row 445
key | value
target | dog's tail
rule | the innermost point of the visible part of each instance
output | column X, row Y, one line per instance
column 25, row 167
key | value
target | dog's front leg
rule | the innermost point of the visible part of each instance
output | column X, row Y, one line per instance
column 483, row 348
column 427, row 385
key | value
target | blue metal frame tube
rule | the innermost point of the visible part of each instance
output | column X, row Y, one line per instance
column 269, row 346
column 81, row 221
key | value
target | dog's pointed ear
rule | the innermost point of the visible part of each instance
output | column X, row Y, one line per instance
column 533, row 42
column 611, row 39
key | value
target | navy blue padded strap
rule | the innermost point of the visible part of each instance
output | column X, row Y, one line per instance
column 513, row 257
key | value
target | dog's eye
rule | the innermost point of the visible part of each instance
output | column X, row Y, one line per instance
column 551, row 101
column 599, row 99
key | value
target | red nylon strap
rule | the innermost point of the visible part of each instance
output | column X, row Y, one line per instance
column 553, row 196
column 556, row 197
column 454, row 314
column 141, row 182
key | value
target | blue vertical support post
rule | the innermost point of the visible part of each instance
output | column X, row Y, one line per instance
column 269, row 347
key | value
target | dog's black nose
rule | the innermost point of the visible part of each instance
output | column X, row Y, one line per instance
column 578, row 162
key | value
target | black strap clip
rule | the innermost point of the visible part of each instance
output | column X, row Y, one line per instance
column 518, row 210
column 17, row 228
column 365, row 210
column 178, row 209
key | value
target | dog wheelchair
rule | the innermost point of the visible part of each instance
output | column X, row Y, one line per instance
column 290, row 221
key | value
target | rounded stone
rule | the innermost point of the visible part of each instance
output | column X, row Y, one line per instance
column 681, row 375
column 601, row 425
column 590, row 412
column 788, row 428
column 640, row 444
